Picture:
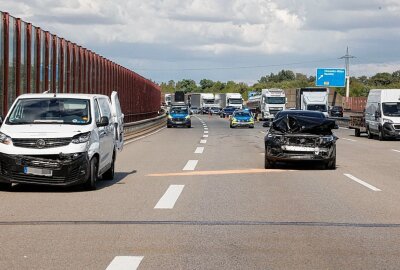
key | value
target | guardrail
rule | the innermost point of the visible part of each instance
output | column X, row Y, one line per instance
column 140, row 128
column 341, row 121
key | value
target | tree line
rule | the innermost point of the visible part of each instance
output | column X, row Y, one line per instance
column 284, row 79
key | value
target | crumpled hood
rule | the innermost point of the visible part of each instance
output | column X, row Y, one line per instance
column 43, row 131
column 303, row 124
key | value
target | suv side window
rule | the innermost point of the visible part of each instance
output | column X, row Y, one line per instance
column 105, row 108
column 96, row 111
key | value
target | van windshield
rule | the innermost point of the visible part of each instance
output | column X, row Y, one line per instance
column 275, row 100
column 50, row 111
column 391, row 109
column 317, row 107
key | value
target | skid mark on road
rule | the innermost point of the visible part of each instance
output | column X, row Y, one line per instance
column 222, row 172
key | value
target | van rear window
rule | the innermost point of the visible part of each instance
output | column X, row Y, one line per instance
column 50, row 111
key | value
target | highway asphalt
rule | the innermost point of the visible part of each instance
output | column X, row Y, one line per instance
column 200, row 198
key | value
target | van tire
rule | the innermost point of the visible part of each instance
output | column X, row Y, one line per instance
column 92, row 179
column 110, row 173
column 357, row 132
column 381, row 135
column 5, row 186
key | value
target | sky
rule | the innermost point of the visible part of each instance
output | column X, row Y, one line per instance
column 238, row 40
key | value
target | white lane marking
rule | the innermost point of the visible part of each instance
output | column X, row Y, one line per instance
column 170, row 197
column 398, row 151
column 199, row 150
column 205, row 136
column 134, row 140
column 348, row 139
column 263, row 132
column 365, row 184
column 190, row 165
column 203, row 141
column 206, row 132
column 125, row 263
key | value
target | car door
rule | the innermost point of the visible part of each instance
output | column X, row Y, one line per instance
column 119, row 120
column 107, row 140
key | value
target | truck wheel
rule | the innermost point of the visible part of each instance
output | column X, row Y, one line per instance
column 109, row 174
column 92, row 179
column 357, row 132
column 5, row 186
column 370, row 136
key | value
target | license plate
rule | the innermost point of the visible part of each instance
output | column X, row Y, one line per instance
column 37, row 171
column 178, row 122
column 299, row 148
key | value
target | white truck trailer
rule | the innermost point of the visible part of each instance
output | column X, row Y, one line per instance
column 313, row 99
column 207, row 100
column 229, row 100
column 268, row 103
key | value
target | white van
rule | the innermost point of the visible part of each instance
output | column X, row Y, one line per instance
column 60, row 140
column 382, row 113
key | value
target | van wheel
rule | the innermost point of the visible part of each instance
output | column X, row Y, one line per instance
column 5, row 186
column 370, row 136
column 92, row 179
column 381, row 135
column 109, row 174
column 357, row 132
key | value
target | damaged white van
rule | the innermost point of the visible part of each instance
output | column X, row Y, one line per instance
column 60, row 140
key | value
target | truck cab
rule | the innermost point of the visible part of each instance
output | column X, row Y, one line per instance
column 313, row 99
column 60, row 140
column 272, row 102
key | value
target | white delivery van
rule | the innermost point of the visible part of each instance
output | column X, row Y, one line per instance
column 60, row 139
column 382, row 113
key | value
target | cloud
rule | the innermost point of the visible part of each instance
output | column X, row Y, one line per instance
column 196, row 33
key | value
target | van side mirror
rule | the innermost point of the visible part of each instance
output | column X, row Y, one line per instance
column 104, row 121
column 1, row 120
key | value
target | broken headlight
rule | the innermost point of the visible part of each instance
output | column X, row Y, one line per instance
column 4, row 139
column 81, row 138
column 326, row 139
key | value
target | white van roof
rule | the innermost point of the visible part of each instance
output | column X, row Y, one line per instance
column 61, row 95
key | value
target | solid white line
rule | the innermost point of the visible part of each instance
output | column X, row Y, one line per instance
column 348, row 139
column 170, row 197
column 125, row 263
column 199, row 150
column 365, row 184
column 205, row 136
column 190, row 165
column 203, row 141
column 137, row 139
column 396, row 150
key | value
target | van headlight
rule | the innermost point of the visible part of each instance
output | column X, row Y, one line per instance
column 387, row 121
column 4, row 139
column 81, row 138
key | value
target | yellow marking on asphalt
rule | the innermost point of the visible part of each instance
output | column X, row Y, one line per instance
column 222, row 172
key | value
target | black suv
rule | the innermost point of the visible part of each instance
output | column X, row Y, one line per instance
column 336, row 111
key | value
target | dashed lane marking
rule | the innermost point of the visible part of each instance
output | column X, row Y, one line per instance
column 205, row 136
column 199, row 150
column 350, row 140
column 190, row 165
column 206, row 131
column 170, row 197
column 125, row 263
column 263, row 132
column 223, row 172
column 361, row 182
column 398, row 151
column 203, row 141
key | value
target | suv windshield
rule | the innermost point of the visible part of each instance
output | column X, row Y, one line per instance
column 51, row 111
column 317, row 107
column 391, row 109
column 242, row 114
column 275, row 100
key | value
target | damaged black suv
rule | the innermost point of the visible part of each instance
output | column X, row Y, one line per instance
column 301, row 136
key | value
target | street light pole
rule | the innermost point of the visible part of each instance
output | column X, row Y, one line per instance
column 347, row 61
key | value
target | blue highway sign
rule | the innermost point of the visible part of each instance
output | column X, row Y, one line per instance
column 332, row 77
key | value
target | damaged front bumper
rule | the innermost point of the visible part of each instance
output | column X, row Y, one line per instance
column 54, row 170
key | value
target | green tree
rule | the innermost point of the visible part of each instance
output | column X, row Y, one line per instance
column 186, row 86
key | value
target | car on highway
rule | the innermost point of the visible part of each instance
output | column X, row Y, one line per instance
column 241, row 118
column 336, row 111
column 215, row 110
column 227, row 111
column 298, row 135
column 60, row 140
column 194, row 110
column 179, row 116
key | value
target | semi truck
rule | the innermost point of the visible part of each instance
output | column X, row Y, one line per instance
column 268, row 103
column 195, row 100
column 229, row 100
column 313, row 99
column 207, row 101
column 168, row 99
